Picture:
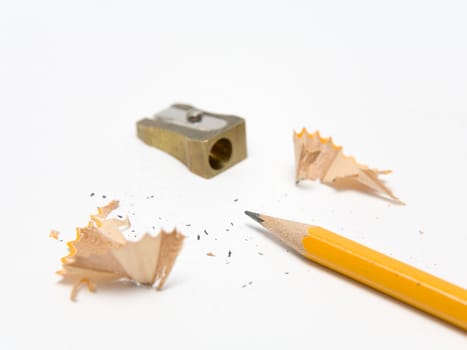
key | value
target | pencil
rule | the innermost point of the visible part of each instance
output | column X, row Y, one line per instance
column 381, row 272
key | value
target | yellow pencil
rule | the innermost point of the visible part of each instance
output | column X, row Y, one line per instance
column 381, row 272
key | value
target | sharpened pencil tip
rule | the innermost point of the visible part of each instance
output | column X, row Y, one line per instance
column 254, row 216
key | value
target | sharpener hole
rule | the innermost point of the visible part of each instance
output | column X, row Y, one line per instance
column 220, row 154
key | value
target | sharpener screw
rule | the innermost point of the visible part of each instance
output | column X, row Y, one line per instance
column 194, row 116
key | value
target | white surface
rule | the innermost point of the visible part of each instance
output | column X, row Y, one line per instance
column 388, row 82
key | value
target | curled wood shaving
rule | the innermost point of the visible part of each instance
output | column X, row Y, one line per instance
column 100, row 253
column 318, row 158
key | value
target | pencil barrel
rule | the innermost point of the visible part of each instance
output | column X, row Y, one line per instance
column 387, row 275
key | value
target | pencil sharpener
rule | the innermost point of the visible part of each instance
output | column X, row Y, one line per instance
column 207, row 143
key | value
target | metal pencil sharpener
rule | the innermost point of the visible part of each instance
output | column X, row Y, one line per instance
column 207, row 143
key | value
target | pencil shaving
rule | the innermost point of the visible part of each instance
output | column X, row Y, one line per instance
column 54, row 234
column 318, row 158
column 100, row 253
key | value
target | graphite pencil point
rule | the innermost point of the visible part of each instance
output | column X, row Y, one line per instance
column 254, row 216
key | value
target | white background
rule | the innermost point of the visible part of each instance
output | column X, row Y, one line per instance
column 388, row 81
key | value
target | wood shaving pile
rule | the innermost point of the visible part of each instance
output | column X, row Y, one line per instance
column 318, row 158
column 100, row 253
